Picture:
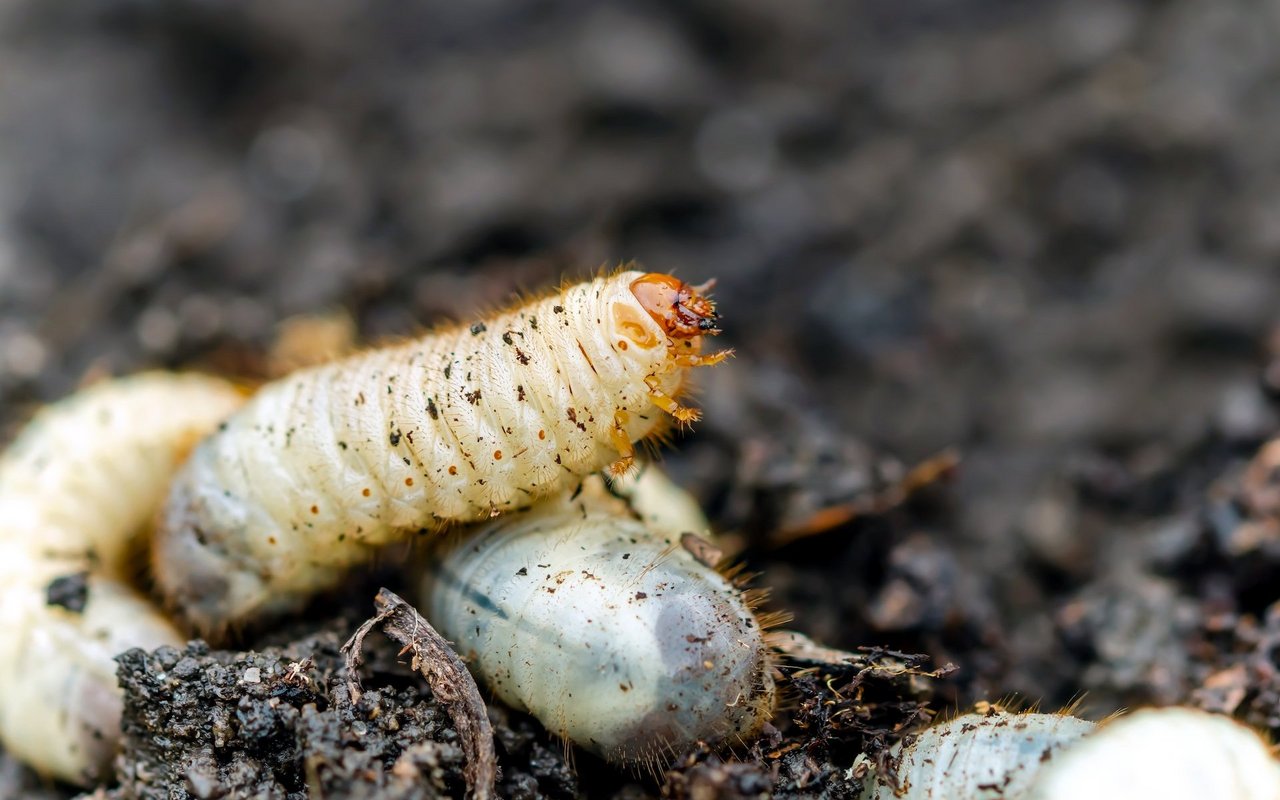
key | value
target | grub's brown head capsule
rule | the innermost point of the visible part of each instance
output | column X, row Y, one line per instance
column 684, row 311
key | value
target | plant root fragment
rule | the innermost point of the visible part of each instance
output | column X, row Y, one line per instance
column 447, row 676
column 934, row 469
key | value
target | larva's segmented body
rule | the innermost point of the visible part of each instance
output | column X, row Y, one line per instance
column 604, row 628
column 1168, row 753
column 977, row 756
column 331, row 462
column 77, row 488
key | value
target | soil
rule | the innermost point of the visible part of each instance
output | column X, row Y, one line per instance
column 1039, row 235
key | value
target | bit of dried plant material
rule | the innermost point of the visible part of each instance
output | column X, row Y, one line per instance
column 447, row 676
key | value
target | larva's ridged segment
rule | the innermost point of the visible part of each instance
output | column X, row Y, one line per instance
column 603, row 628
column 77, row 487
column 331, row 462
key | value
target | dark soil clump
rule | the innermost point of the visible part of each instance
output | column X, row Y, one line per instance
column 279, row 723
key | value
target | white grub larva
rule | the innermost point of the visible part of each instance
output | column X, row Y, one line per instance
column 77, row 488
column 604, row 628
column 1168, row 753
column 993, row 755
column 330, row 463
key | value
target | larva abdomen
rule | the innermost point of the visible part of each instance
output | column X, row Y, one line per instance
column 331, row 462
column 77, row 488
column 604, row 628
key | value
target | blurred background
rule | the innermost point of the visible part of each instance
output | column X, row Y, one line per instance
column 1042, row 233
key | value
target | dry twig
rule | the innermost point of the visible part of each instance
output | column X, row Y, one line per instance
column 447, row 676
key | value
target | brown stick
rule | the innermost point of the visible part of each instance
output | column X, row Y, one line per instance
column 447, row 676
column 927, row 472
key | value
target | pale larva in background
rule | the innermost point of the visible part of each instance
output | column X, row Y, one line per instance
column 325, row 465
column 1155, row 754
column 603, row 627
column 77, row 488
column 1167, row 753
column 992, row 755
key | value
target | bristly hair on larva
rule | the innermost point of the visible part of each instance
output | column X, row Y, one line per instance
column 326, row 465
column 77, row 489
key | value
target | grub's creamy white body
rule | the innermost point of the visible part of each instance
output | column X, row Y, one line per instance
column 330, row 463
column 77, row 488
column 978, row 756
column 1168, row 753
column 604, row 628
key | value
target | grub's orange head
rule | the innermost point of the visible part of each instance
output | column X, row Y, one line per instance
column 683, row 311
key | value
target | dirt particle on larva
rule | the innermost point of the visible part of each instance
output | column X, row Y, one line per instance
column 506, row 338
column 478, row 328
column 521, row 356
column 473, row 397
column 557, row 309
column 432, row 411
column 69, row 591
column 520, row 393
column 394, row 438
